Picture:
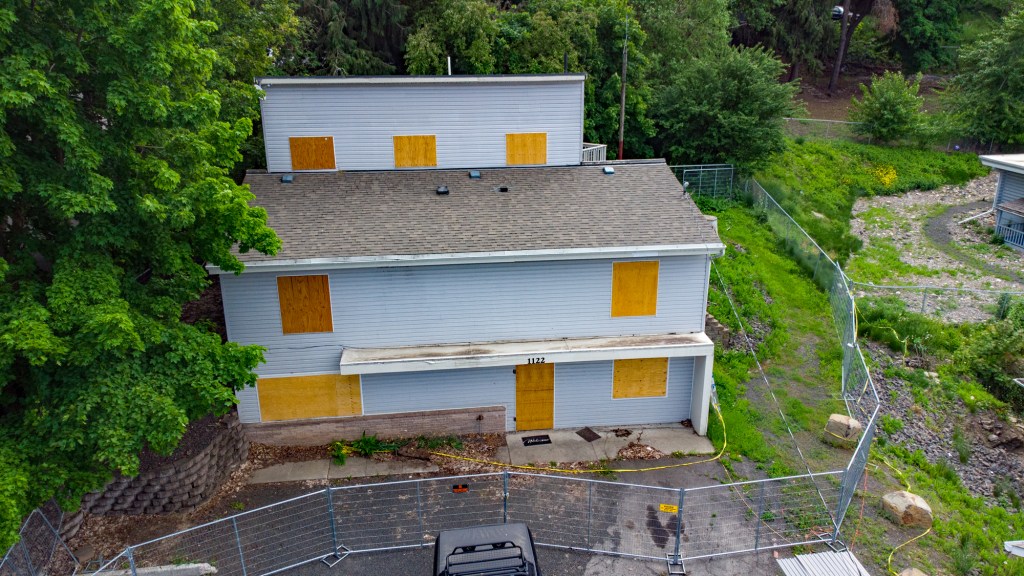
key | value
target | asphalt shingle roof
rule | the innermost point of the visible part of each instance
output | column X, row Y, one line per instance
column 353, row 214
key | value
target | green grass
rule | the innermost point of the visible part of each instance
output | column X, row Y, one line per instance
column 817, row 182
column 880, row 263
column 782, row 306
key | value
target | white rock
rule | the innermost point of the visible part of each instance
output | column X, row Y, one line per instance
column 842, row 430
column 907, row 509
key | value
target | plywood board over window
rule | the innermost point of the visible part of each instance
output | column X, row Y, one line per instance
column 535, row 396
column 635, row 288
column 305, row 304
column 640, row 378
column 415, row 151
column 526, row 149
column 320, row 396
column 312, row 152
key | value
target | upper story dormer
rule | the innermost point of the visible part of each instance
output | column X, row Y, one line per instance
column 424, row 122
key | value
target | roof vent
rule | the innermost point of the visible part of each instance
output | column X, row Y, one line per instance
column 502, row 188
column 609, row 170
column 474, row 174
column 442, row 190
column 287, row 178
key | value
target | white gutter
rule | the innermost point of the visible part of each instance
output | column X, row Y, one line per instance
column 376, row 361
column 975, row 217
column 393, row 80
column 296, row 265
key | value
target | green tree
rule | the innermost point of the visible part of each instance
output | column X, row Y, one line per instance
column 114, row 154
column 987, row 95
column 927, row 32
column 800, row 32
column 350, row 38
column 890, row 109
column 727, row 107
column 461, row 29
column 678, row 31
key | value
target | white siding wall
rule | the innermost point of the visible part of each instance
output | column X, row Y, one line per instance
column 583, row 396
column 470, row 121
column 404, row 306
column 440, row 390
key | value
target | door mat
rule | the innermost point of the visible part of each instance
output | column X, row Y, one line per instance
column 536, row 440
column 588, row 434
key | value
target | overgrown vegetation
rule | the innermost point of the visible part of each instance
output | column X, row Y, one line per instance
column 818, row 182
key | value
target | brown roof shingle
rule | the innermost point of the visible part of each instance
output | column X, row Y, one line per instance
column 355, row 214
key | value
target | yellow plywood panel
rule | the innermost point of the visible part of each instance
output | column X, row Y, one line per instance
column 535, row 396
column 296, row 397
column 312, row 152
column 415, row 151
column 635, row 288
column 305, row 304
column 530, row 148
column 640, row 378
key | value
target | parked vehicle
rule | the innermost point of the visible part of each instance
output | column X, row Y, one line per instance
column 494, row 550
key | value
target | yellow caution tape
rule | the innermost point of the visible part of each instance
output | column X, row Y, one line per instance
column 889, row 564
column 725, row 442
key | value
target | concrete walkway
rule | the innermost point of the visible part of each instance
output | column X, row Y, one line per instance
column 565, row 446
column 568, row 446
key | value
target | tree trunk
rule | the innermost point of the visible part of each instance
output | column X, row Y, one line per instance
column 843, row 39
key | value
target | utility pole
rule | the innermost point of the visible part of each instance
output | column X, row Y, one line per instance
column 622, row 95
column 834, row 83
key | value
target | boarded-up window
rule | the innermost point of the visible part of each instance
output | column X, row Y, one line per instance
column 523, row 149
column 635, row 288
column 305, row 304
column 312, row 152
column 415, row 151
column 640, row 378
column 294, row 397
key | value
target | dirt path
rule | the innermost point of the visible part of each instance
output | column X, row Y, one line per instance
column 941, row 230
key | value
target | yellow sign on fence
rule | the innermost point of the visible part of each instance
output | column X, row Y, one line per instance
column 670, row 508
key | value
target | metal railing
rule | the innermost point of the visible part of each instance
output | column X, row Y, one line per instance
column 1011, row 236
column 593, row 152
column 827, row 129
column 39, row 548
column 715, row 180
column 627, row 520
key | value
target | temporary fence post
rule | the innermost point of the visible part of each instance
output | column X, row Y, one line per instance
column 679, row 526
column 238, row 542
column 28, row 559
column 760, row 515
column 504, row 499
column 330, row 512
column 590, row 509
column 131, row 560
column 419, row 508
column 924, row 299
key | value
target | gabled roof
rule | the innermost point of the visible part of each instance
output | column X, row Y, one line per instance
column 344, row 219
column 1010, row 162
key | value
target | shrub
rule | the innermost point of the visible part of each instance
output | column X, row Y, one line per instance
column 889, row 109
column 961, row 446
column 891, row 424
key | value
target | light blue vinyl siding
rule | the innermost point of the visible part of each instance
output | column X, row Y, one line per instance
column 470, row 121
column 405, row 306
column 441, row 390
column 583, row 396
column 1011, row 187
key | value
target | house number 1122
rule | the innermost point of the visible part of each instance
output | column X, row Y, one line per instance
column 535, row 360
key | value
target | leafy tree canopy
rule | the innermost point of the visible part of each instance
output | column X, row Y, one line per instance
column 727, row 108
column 928, row 30
column 541, row 36
column 119, row 122
column 890, row 109
column 349, row 38
column 987, row 96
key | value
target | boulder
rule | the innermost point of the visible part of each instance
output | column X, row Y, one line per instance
column 907, row 509
column 913, row 572
column 842, row 431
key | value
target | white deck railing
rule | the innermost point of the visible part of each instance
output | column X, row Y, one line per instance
column 593, row 152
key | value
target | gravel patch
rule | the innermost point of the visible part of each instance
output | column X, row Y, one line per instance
column 960, row 254
column 996, row 446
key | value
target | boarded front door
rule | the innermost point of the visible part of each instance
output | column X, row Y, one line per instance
column 535, row 396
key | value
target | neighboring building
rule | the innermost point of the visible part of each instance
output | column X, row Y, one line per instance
column 1009, row 201
column 449, row 264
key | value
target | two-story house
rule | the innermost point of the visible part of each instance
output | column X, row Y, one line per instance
column 451, row 264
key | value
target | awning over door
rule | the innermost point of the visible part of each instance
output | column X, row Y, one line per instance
column 511, row 353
